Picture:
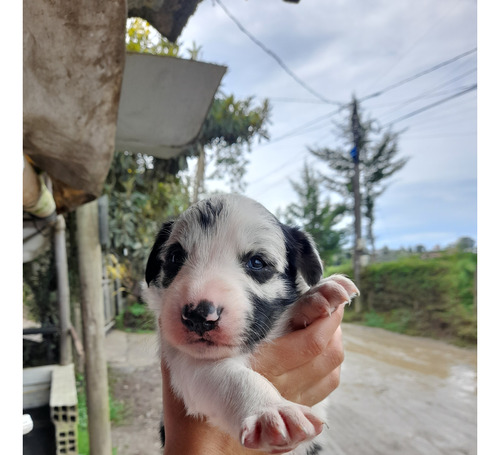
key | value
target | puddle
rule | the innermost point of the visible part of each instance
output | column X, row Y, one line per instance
column 457, row 366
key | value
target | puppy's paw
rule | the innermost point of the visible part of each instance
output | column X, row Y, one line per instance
column 280, row 429
column 323, row 299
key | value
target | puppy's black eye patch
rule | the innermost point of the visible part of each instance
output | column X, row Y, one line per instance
column 256, row 266
column 174, row 260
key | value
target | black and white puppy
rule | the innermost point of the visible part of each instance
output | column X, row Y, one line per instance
column 223, row 278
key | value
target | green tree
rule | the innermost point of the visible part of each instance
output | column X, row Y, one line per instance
column 226, row 138
column 144, row 191
column 142, row 37
column 142, row 194
column 230, row 127
column 377, row 153
column 316, row 216
column 465, row 244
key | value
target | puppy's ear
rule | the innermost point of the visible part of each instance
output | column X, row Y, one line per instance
column 303, row 255
column 154, row 264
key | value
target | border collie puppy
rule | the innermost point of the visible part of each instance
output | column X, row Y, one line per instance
column 223, row 278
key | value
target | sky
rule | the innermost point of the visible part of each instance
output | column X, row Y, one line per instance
column 343, row 48
column 338, row 48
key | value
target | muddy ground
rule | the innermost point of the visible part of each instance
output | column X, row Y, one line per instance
column 399, row 395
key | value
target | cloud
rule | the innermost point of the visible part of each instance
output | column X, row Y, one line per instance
column 340, row 48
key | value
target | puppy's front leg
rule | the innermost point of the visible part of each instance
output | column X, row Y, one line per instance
column 241, row 402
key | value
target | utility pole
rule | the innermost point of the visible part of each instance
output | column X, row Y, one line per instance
column 355, row 152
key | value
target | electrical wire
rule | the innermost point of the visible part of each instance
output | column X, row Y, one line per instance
column 431, row 93
column 274, row 56
column 306, row 127
column 409, row 49
column 418, row 75
column 430, row 106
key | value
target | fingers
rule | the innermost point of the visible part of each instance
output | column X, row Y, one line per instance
column 321, row 389
column 322, row 300
column 317, row 378
column 322, row 376
column 297, row 348
column 346, row 283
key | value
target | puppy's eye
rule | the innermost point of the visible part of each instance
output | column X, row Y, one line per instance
column 176, row 255
column 256, row 263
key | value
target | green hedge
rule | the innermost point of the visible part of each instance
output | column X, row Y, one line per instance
column 429, row 297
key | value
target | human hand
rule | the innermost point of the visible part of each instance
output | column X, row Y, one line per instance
column 304, row 365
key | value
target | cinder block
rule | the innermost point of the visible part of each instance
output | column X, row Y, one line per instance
column 64, row 409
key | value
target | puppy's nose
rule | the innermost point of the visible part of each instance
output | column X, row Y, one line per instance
column 202, row 317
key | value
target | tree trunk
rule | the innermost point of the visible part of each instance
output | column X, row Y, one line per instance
column 200, row 173
column 371, row 237
column 96, row 373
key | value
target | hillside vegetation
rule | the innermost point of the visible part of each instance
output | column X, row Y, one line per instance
column 426, row 297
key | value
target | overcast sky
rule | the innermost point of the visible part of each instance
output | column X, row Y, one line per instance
column 339, row 48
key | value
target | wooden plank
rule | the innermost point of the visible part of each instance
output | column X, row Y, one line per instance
column 36, row 386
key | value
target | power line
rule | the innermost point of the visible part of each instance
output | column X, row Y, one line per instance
column 294, row 158
column 305, row 127
column 420, row 74
column 297, row 131
column 274, row 56
column 430, row 93
column 415, row 43
column 433, row 92
column 299, row 100
column 430, row 106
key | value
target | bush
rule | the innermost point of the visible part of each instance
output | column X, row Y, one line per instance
column 137, row 317
column 429, row 297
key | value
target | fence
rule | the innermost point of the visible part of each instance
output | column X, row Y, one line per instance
column 113, row 300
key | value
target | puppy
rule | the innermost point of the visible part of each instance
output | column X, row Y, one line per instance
column 223, row 278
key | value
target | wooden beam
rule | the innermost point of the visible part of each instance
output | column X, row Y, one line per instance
column 96, row 373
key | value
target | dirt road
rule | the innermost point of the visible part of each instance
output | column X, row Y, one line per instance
column 399, row 395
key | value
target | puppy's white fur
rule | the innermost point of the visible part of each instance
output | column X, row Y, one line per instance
column 202, row 257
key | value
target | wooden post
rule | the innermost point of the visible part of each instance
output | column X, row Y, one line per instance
column 96, row 373
column 63, row 290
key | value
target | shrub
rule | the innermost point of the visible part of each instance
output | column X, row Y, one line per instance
column 429, row 297
column 137, row 317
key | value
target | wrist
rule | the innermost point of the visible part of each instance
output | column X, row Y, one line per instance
column 192, row 436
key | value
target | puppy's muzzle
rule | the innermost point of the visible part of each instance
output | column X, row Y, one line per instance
column 201, row 318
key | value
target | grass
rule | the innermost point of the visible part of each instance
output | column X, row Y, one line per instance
column 117, row 413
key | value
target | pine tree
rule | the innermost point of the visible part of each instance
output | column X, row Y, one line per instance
column 316, row 216
column 377, row 152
